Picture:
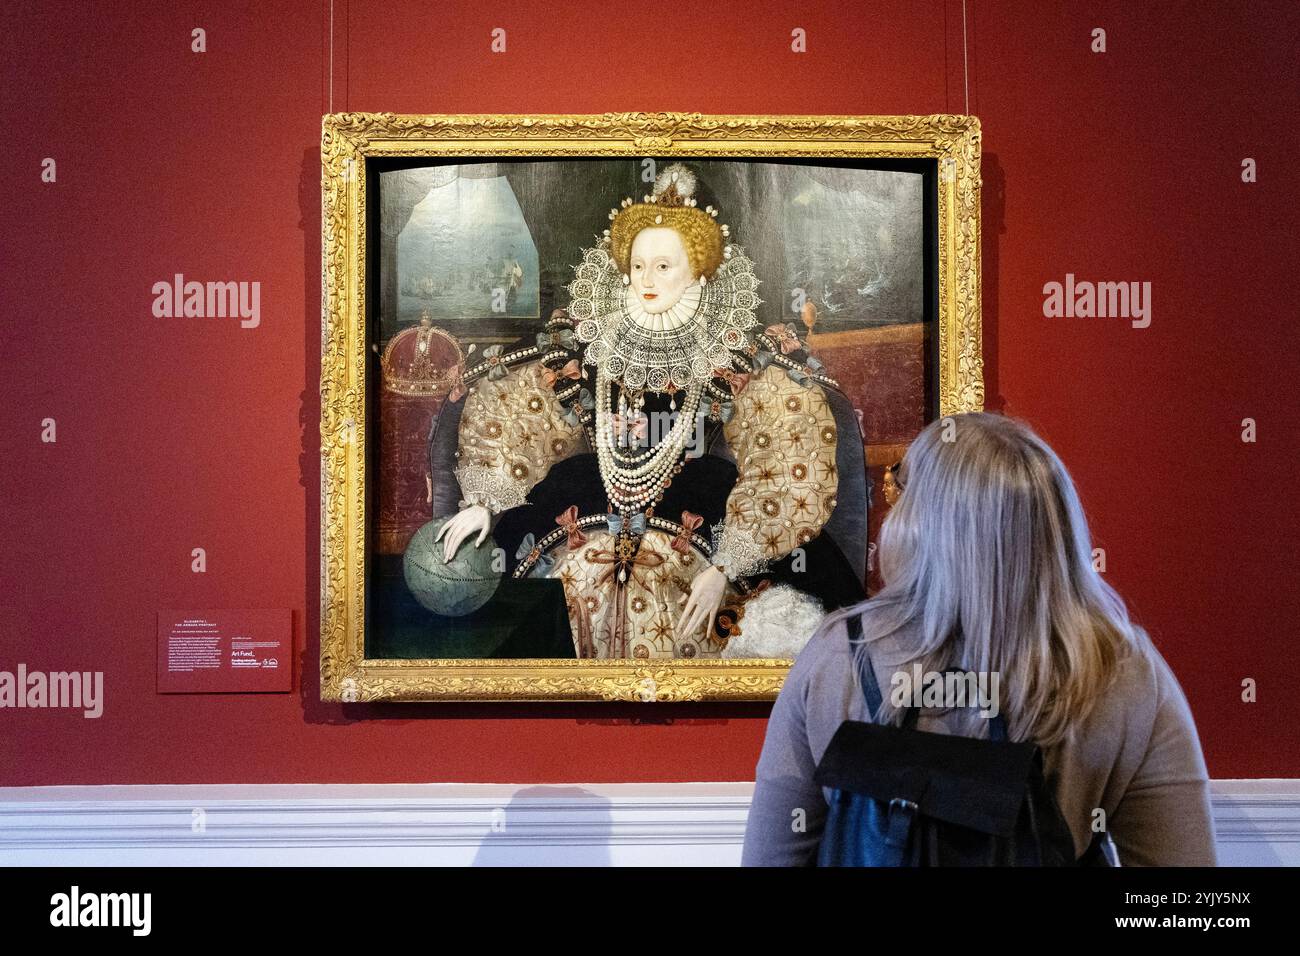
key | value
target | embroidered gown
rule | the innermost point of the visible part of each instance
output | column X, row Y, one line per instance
column 752, row 500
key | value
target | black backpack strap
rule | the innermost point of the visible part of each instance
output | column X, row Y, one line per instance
column 871, row 687
column 998, row 729
column 866, row 673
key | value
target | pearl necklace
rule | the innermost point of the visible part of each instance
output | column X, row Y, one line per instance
column 630, row 487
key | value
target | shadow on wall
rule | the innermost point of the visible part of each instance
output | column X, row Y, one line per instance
column 993, row 195
column 549, row 826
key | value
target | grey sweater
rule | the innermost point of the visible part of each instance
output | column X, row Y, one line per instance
column 1137, row 757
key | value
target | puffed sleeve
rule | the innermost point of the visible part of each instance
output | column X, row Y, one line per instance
column 511, row 432
column 782, row 434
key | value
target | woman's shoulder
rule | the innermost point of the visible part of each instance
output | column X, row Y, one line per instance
column 826, row 670
column 829, row 642
column 1143, row 683
column 1143, row 707
column 821, row 653
column 832, row 650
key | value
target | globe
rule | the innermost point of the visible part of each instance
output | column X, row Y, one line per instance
column 450, row 588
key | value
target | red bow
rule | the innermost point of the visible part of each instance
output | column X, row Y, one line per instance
column 571, row 369
column 569, row 522
column 737, row 380
column 690, row 522
column 785, row 337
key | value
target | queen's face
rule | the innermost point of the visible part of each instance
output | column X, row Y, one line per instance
column 660, row 270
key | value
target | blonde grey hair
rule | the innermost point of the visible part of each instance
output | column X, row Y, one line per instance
column 988, row 567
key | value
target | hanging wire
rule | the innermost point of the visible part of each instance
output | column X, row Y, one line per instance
column 965, row 67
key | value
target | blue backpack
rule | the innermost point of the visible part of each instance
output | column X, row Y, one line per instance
column 905, row 797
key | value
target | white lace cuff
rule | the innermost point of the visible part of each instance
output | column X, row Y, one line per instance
column 736, row 553
column 490, row 487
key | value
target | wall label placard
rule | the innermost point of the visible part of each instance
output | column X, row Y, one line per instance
column 225, row 651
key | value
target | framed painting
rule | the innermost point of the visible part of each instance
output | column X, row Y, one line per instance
column 609, row 404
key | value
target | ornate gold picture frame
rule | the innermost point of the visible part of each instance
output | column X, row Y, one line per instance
column 351, row 141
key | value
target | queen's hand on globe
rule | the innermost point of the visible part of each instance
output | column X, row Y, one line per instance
column 471, row 521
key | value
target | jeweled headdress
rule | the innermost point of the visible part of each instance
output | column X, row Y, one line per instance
column 685, row 344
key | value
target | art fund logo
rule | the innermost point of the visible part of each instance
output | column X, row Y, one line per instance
column 1102, row 300
column 918, row 688
column 209, row 300
column 75, row 908
column 76, row 690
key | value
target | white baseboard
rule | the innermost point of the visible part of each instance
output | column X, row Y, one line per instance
column 1257, row 822
column 685, row 824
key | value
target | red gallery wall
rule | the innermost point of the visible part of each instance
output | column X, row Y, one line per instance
column 175, row 434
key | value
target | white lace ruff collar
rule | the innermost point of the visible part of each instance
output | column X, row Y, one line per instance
column 682, row 345
column 681, row 313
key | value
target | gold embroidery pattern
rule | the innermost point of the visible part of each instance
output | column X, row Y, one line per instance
column 783, row 437
column 512, row 430
column 638, row 615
